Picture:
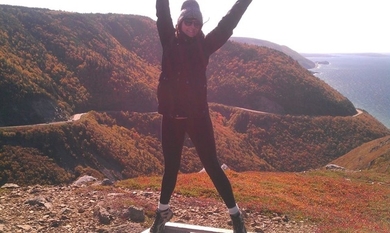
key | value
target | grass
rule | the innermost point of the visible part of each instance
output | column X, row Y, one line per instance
column 335, row 201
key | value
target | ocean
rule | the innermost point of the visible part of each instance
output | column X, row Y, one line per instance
column 363, row 78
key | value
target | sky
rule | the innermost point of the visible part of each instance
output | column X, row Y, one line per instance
column 306, row 26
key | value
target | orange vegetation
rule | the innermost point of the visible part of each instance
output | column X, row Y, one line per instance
column 335, row 201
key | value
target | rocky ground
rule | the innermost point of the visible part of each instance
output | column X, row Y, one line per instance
column 102, row 207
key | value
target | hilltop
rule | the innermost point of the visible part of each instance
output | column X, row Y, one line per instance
column 107, row 208
column 300, row 58
column 315, row 201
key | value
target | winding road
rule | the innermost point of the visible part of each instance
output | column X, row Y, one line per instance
column 77, row 117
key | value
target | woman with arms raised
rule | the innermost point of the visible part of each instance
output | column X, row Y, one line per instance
column 182, row 97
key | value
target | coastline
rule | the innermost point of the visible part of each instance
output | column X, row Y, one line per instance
column 360, row 78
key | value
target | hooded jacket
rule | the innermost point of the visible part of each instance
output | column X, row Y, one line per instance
column 182, row 88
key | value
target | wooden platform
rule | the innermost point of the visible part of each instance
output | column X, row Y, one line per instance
column 185, row 228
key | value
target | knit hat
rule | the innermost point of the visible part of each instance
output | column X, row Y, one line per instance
column 190, row 10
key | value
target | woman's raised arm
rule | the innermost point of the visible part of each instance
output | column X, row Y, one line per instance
column 164, row 21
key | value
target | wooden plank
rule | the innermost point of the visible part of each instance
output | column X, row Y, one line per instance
column 185, row 228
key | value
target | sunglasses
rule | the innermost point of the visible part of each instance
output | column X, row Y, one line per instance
column 189, row 22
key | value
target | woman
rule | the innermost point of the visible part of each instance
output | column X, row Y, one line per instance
column 182, row 96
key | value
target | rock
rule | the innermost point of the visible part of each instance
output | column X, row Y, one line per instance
column 55, row 223
column 24, row 227
column 10, row 186
column 334, row 167
column 39, row 201
column 136, row 214
column 84, row 180
column 107, row 182
column 103, row 215
column 277, row 219
column 258, row 230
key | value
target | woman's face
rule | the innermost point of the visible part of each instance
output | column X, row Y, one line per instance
column 191, row 27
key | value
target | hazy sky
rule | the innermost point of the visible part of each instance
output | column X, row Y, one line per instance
column 303, row 25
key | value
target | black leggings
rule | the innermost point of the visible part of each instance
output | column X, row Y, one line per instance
column 200, row 131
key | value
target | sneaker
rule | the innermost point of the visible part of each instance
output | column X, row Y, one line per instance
column 162, row 217
column 238, row 223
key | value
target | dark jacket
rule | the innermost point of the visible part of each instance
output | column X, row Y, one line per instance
column 182, row 89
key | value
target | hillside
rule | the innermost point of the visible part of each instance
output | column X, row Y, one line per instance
column 58, row 63
column 373, row 156
column 301, row 59
column 55, row 64
column 120, row 145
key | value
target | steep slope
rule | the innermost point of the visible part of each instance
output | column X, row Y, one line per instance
column 373, row 155
column 267, row 80
column 67, row 62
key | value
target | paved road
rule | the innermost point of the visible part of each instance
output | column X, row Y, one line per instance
column 73, row 118
column 77, row 117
